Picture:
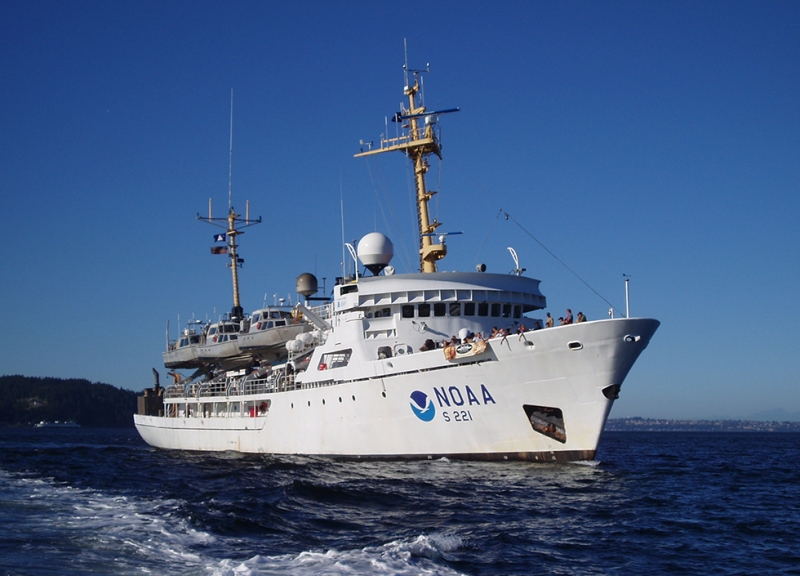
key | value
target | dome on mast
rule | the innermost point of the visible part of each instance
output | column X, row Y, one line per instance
column 375, row 251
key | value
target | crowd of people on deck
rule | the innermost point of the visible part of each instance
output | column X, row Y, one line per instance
column 502, row 332
column 564, row 320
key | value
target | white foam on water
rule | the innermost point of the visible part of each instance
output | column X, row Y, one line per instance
column 590, row 463
column 82, row 531
column 412, row 558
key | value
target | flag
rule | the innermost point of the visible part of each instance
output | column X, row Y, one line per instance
column 219, row 249
column 219, row 237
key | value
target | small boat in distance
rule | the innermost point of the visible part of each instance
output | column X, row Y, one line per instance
column 57, row 424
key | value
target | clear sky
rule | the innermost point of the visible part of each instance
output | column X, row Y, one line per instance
column 655, row 139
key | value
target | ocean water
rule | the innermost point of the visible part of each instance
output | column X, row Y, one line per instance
column 87, row 501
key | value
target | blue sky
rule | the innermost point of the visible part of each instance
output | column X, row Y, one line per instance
column 659, row 140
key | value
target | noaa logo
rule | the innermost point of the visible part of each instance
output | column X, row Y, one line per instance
column 463, row 348
column 422, row 406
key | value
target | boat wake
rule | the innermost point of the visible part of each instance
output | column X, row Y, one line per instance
column 83, row 529
column 399, row 557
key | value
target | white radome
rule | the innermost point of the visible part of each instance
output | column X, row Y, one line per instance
column 375, row 248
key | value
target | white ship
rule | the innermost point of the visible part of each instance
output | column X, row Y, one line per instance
column 422, row 365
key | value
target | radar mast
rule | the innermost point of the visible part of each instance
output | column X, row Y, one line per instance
column 231, row 233
column 420, row 140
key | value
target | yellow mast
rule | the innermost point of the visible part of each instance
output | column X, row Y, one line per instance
column 231, row 232
column 418, row 143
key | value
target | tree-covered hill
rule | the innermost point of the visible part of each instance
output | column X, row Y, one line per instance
column 25, row 401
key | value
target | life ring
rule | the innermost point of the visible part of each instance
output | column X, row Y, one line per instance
column 323, row 366
column 215, row 338
column 258, row 326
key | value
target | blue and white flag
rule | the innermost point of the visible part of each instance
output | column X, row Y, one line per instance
column 219, row 237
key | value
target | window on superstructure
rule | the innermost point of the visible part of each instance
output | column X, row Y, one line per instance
column 212, row 331
column 335, row 359
column 439, row 309
column 483, row 309
column 424, row 310
column 383, row 313
column 469, row 308
column 495, row 310
column 407, row 311
column 517, row 311
column 506, row 310
column 455, row 309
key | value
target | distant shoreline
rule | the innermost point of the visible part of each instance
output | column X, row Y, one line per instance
column 670, row 425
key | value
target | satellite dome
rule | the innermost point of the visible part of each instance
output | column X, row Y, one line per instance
column 375, row 251
column 306, row 284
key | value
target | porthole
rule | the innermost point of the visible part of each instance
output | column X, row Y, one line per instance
column 632, row 338
column 354, row 398
column 323, row 401
column 340, row 399
column 383, row 394
column 309, row 402
column 575, row 345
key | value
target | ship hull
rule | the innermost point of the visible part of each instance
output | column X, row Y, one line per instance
column 542, row 396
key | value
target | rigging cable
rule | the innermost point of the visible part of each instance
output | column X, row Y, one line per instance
column 403, row 251
column 509, row 217
column 478, row 255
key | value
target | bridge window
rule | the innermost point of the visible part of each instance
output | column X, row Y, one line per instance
column 424, row 310
column 517, row 311
column 469, row 309
column 495, row 310
column 455, row 309
column 439, row 309
column 483, row 309
column 506, row 310
column 408, row 311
